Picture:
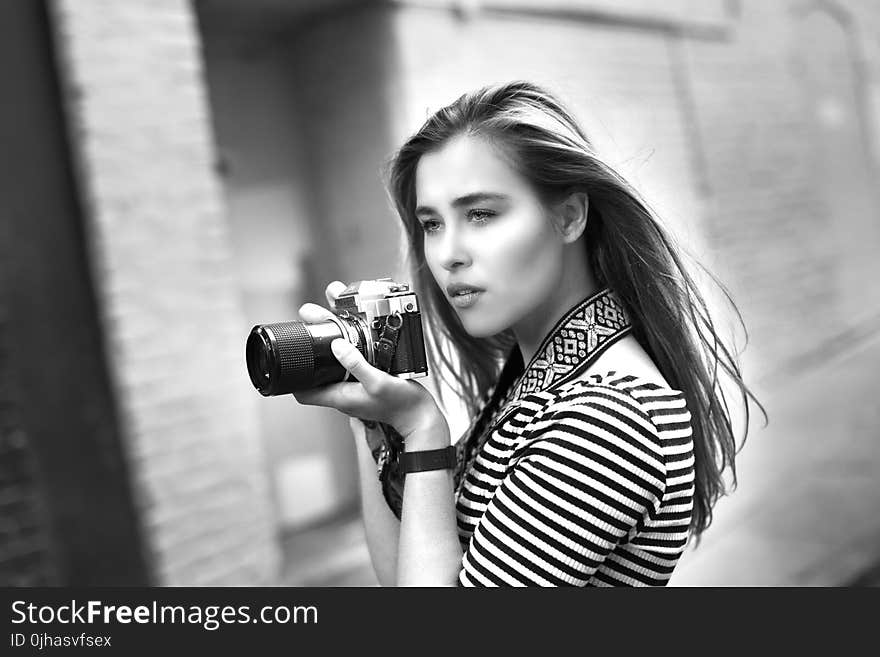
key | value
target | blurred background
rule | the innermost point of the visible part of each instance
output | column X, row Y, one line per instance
column 177, row 171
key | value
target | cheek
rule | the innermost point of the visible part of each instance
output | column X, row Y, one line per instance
column 432, row 262
column 527, row 255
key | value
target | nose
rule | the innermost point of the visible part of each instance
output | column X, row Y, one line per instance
column 454, row 253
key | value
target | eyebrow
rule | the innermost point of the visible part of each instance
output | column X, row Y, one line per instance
column 467, row 199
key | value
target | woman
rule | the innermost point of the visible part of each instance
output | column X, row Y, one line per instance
column 598, row 447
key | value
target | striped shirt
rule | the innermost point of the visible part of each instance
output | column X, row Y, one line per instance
column 588, row 485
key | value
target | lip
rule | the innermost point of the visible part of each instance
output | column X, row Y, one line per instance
column 456, row 288
column 466, row 300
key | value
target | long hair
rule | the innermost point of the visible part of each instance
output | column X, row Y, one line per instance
column 625, row 245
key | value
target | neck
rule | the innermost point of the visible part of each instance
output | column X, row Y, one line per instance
column 576, row 283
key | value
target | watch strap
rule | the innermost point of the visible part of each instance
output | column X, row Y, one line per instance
column 431, row 459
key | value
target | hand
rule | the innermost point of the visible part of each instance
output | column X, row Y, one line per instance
column 404, row 404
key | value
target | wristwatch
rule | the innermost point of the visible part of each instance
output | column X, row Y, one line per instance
column 432, row 459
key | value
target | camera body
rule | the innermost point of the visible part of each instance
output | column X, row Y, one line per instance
column 375, row 302
column 289, row 356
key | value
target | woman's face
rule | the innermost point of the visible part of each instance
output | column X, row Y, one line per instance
column 484, row 228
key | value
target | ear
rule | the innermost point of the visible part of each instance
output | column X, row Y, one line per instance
column 571, row 215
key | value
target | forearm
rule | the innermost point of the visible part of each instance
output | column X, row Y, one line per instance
column 381, row 526
column 429, row 552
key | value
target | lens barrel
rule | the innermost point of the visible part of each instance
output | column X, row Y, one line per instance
column 289, row 356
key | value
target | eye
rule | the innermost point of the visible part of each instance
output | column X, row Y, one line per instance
column 480, row 216
column 430, row 226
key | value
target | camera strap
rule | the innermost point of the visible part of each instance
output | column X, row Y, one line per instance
column 384, row 442
column 387, row 344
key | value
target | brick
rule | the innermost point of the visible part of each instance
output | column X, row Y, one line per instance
column 141, row 129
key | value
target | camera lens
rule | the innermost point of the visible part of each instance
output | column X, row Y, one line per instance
column 259, row 358
column 264, row 364
column 289, row 356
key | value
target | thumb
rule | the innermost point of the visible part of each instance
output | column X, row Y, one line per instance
column 352, row 360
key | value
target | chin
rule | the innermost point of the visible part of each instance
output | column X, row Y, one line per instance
column 479, row 327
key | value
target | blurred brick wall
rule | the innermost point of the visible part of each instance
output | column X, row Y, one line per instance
column 783, row 244
column 26, row 555
column 161, row 253
column 66, row 510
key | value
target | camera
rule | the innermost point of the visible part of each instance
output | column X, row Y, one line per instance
column 289, row 356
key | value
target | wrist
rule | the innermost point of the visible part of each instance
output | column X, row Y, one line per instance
column 431, row 434
column 424, row 427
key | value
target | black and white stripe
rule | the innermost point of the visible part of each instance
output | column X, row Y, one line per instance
column 590, row 484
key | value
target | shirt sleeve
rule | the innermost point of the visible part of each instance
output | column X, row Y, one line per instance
column 580, row 482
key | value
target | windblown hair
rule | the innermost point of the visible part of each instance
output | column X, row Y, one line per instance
column 625, row 245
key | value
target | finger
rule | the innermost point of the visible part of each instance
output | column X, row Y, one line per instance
column 312, row 312
column 352, row 360
column 333, row 291
column 349, row 398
